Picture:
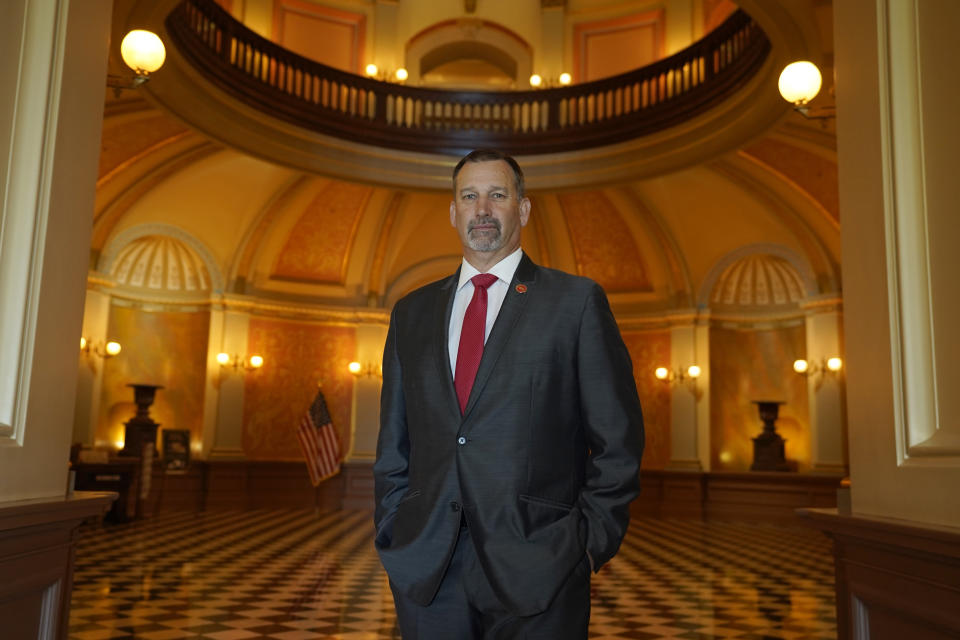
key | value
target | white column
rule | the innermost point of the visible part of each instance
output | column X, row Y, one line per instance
column 211, row 392
column 52, row 64
column 365, row 422
column 896, row 149
column 825, row 391
column 228, row 432
column 96, row 313
column 690, row 399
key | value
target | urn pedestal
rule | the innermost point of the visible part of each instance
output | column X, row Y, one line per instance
column 768, row 447
column 141, row 429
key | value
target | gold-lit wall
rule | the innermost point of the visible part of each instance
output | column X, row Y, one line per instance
column 648, row 349
column 749, row 365
column 168, row 348
column 298, row 355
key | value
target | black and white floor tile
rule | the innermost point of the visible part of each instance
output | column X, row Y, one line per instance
column 300, row 575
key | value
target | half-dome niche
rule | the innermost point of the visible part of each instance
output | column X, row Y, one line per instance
column 759, row 282
column 160, row 263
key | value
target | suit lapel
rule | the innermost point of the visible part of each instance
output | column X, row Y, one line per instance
column 443, row 307
column 511, row 310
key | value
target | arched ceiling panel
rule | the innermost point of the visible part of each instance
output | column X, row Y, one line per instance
column 128, row 139
column 214, row 199
column 420, row 234
column 811, row 172
column 602, row 242
column 711, row 215
column 317, row 249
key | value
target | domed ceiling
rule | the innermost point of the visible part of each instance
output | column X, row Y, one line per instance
column 657, row 244
column 278, row 233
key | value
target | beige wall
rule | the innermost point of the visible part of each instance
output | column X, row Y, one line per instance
column 900, row 263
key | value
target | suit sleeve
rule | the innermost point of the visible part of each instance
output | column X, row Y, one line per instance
column 390, row 470
column 613, row 423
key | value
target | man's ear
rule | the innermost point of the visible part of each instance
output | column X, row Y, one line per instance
column 453, row 214
column 524, row 211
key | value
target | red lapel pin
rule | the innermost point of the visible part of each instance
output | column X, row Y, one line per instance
column 521, row 288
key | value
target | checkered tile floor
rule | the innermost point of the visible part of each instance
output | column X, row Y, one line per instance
column 293, row 575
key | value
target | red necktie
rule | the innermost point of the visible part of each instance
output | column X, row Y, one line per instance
column 471, row 338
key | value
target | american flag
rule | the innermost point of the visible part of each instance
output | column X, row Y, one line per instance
column 319, row 441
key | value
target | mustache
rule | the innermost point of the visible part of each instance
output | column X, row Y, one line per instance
column 484, row 221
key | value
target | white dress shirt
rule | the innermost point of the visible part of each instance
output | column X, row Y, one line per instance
column 496, row 292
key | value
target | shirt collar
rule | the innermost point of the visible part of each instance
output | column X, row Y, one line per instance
column 504, row 269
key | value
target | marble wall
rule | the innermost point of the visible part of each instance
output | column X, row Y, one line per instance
column 298, row 355
column 648, row 350
column 749, row 365
column 168, row 348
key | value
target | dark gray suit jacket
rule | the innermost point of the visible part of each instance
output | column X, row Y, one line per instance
column 545, row 459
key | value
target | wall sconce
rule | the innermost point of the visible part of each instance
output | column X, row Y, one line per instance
column 368, row 370
column 101, row 349
column 142, row 51
column 373, row 72
column 687, row 377
column 538, row 82
column 800, row 83
column 818, row 370
column 238, row 364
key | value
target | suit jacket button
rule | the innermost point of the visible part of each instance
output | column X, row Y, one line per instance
column 454, row 506
column 461, row 440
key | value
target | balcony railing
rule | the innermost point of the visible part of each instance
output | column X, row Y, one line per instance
column 344, row 105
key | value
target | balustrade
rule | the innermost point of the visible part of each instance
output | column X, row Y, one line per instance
column 333, row 102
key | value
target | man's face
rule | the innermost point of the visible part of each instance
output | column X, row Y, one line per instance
column 487, row 211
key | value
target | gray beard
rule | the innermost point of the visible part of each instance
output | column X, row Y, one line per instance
column 486, row 242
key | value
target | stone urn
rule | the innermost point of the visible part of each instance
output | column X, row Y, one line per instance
column 768, row 447
column 141, row 429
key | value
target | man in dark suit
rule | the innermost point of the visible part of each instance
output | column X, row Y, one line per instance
column 510, row 433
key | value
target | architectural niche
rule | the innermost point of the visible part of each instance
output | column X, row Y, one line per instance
column 469, row 53
column 760, row 283
column 157, row 263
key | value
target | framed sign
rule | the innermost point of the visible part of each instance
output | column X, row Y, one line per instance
column 176, row 449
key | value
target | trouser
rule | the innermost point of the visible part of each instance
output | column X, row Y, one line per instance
column 465, row 607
